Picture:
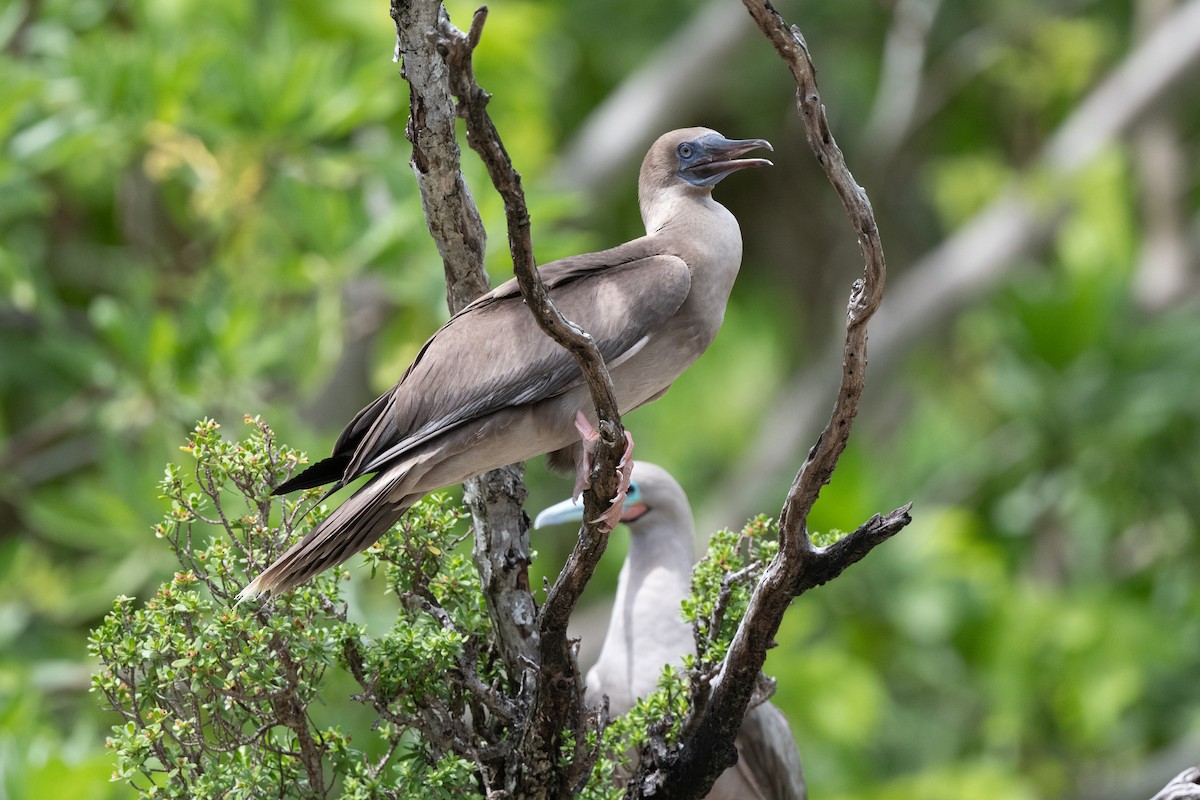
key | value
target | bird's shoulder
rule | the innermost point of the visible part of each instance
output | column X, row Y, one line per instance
column 641, row 262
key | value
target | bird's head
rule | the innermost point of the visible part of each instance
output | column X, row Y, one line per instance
column 683, row 166
column 695, row 159
column 653, row 494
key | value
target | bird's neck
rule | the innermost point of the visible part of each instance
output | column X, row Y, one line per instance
column 668, row 550
column 707, row 237
column 690, row 215
column 695, row 227
column 646, row 629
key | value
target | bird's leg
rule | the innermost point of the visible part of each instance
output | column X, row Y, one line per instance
column 590, row 437
column 583, row 470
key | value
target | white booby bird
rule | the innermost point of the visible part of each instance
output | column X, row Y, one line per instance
column 489, row 388
column 647, row 632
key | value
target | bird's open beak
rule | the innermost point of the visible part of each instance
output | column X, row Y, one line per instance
column 718, row 157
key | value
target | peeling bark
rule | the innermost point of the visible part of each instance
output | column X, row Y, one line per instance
column 533, row 643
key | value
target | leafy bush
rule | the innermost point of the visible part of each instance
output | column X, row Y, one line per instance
column 216, row 697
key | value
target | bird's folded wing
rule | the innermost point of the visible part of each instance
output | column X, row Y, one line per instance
column 332, row 469
column 767, row 755
column 492, row 355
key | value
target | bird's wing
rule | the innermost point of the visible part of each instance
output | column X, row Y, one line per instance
column 329, row 470
column 492, row 355
column 767, row 755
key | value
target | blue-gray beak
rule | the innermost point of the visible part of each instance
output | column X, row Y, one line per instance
column 570, row 510
column 705, row 161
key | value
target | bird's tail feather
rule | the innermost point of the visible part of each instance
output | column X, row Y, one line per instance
column 324, row 471
column 352, row 527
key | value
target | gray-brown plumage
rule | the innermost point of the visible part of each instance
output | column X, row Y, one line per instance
column 646, row 632
column 489, row 388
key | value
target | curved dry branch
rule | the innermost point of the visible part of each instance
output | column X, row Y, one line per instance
column 707, row 744
column 975, row 258
column 485, row 140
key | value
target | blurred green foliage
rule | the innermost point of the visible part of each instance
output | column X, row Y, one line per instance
column 191, row 194
column 1041, row 619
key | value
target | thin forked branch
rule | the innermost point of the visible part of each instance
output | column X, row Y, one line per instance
column 707, row 747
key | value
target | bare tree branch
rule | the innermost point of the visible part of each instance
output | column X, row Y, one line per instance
column 707, row 747
column 501, row 549
column 450, row 211
column 534, row 644
column 557, row 696
column 485, row 140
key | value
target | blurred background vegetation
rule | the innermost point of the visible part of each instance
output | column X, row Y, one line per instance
column 206, row 209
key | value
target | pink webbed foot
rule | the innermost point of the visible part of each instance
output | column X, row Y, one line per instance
column 590, row 436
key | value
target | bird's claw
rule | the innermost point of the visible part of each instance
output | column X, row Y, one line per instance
column 609, row 519
column 583, row 471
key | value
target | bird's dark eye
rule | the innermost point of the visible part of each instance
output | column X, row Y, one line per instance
column 685, row 150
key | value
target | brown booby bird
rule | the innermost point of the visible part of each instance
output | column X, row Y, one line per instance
column 489, row 388
column 647, row 632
